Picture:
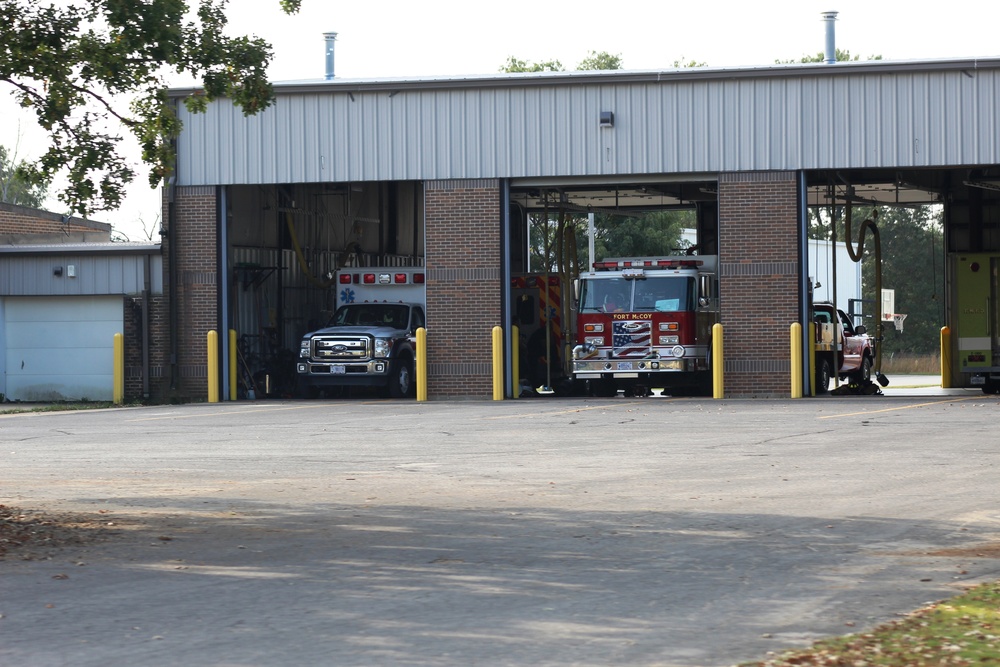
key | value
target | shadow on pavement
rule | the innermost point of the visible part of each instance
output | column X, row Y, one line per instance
column 216, row 581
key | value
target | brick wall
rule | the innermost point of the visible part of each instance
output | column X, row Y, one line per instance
column 191, row 242
column 759, row 280
column 159, row 348
column 463, row 286
column 20, row 224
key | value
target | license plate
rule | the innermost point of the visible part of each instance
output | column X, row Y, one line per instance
column 977, row 379
column 624, row 365
column 338, row 370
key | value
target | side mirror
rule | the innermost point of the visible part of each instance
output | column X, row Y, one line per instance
column 860, row 330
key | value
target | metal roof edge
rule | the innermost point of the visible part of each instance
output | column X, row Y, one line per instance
column 82, row 249
column 541, row 79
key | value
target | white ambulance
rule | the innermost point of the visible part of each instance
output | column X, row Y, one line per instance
column 369, row 341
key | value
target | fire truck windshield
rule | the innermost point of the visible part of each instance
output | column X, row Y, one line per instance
column 659, row 294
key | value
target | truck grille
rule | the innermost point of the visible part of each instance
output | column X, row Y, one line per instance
column 632, row 338
column 340, row 348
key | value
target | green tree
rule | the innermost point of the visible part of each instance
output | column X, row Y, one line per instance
column 594, row 61
column 912, row 251
column 515, row 65
column 91, row 68
column 600, row 61
column 14, row 189
column 681, row 64
column 913, row 265
column 651, row 234
column 841, row 55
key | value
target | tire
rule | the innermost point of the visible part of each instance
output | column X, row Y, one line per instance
column 864, row 376
column 823, row 374
column 401, row 379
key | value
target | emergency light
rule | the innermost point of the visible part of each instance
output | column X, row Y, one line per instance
column 647, row 264
column 381, row 279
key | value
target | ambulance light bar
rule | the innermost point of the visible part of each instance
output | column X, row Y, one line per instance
column 381, row 279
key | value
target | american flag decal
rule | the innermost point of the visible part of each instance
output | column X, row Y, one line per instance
column 631, row 339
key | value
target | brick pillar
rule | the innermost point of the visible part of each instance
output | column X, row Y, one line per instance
column 191, row 243
column 159, row 347
column 759, row 273
column 463, row 260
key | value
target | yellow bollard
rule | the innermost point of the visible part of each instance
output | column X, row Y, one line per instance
column 213, row 367
column 718, row 388
column 796, row 350
column 497, row 363
column 118, row 370
column 421, row 364
column 515, row 358
column 812, row 358
column 945, row 358
column 232, row 364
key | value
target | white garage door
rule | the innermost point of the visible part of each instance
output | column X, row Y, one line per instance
column 60, row 348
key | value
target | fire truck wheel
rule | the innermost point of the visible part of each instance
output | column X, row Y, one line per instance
column 401, row 379
column 823, row 376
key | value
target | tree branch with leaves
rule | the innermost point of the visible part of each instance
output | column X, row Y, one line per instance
column 93, row 69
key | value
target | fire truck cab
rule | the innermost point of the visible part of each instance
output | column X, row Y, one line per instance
column 646, row 323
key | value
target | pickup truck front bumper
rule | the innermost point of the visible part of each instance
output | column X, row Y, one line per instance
column 372, row 373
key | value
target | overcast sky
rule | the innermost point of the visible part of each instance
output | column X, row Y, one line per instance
column 386, row 39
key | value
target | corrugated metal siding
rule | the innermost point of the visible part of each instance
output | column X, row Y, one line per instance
column 857, row 119
column 33, row 275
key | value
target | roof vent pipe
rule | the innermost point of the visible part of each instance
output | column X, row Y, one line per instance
column 830, row 52
column 330, row 38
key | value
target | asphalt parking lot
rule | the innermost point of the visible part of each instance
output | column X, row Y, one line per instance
column 615, row 531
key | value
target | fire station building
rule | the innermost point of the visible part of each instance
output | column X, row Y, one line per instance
column 442, row 173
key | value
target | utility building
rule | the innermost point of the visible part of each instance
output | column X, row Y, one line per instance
column 443, row 172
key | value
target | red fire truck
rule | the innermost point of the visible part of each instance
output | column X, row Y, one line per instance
column 646, row 322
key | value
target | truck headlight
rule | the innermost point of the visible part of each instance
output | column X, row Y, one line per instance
column 382, row 347
column 304, row 349
column 594, row 340
column 669, row 340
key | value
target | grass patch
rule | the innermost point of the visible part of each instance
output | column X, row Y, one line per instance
column 963, row 631
column 911, row 364
column 58, row 407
